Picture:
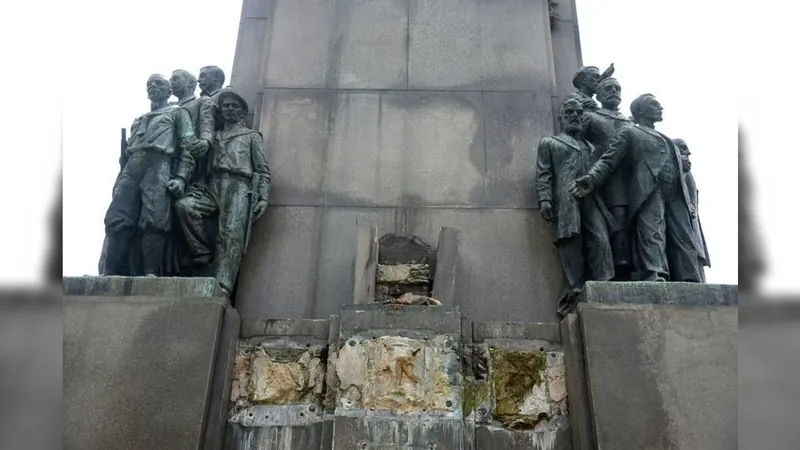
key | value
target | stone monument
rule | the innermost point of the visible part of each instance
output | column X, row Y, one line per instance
column 442, row 331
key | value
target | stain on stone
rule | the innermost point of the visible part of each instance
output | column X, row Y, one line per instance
column 517, row 382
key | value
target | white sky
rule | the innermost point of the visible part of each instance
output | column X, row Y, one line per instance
column 97, row 55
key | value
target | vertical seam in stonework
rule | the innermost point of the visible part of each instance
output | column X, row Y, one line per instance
column 408, row 37
column 485, row 145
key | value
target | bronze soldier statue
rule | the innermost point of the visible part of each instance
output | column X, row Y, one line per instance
column 659, row 207
column 585, row 81
column 600, row 126
column 579, row 225
column 140, row 215
column 237, row 191
column 704, row 259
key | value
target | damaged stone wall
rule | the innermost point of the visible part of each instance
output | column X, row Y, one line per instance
column 400, row 377
column 405, row 264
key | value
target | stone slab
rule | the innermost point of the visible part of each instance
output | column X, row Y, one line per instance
column 663, row 376
column 318, row 436
column 482, row 331
column 219, row 397
column 493, row 437
column 382, row 318
column 508, row 269
column 31, row 369
column 577, row 388
column 138, row 374
column 479, row 45
column 375, row 434
column 386, row 148
column 444, row 279
column 142, row 286
column 654, row 293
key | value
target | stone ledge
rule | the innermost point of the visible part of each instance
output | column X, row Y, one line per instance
column 515, row 330
column 114, row 286
column 655, row 293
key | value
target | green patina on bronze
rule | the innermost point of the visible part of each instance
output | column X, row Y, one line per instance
column 514, row 374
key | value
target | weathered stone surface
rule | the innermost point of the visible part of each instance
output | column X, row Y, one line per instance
column 379, row 433
column 528, row 386
column 547, row 435
column 276, row 376
column 138, row 370
column 404, row 273
column 508, row 268
column 578, row 400
column 474, row 44
column 399, row 375
column 654, row 293
column 160, row 287
column 662, row 376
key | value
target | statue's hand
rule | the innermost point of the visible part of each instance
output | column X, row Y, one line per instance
column 176, row 187
column 259, row 209
column 199, row 147
column 546, row 208
column 581, row 187
column 692, row 212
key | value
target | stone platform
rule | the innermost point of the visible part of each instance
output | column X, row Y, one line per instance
column 653, row 365
column 146, row 362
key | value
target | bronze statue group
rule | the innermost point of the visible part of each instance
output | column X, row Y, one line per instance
column 193, row 180
column 620, row 195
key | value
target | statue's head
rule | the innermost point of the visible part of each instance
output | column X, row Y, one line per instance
column 682, row 147
column 158, row 88
column 609, row 93
column 571, row 115
column 646, row 107
column 586, row 79
column 232, row 106
column 211, row 78
column 183, row 83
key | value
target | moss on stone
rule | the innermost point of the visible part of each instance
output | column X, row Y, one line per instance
column 514, row 374
column 475, row 393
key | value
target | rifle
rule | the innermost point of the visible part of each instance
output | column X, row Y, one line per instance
column 253, row 194
column 123, row 147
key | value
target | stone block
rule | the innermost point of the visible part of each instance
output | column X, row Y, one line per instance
column 318, row 436
column 283, row 251
column 371, row 44
column 514, row 123
column 578, row 399
column 528, row 387
column 138, row 371
column 387, row 149
column 257, row 9
column 508, row 269
column 301, row 45
column 295, row 127
column 388, row 433
column 662, row 376
column 399, row 375
column 375, row 318
column 550, row 435
column 479, row 45
column 174, row 288
column 444, row 280
column 482, row 331
column 249, row 60
column 404, row 273
column 654, row 293
column 219, row 398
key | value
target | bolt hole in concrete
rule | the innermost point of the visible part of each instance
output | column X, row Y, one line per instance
column 302, row 415
column 448, row 403
column 308, row 345
column 553, row 355
column 312, row 408
column 541, row 349
column 352, row 343
column 250, row 415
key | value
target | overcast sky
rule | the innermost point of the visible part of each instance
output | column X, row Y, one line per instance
column 683, row 51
